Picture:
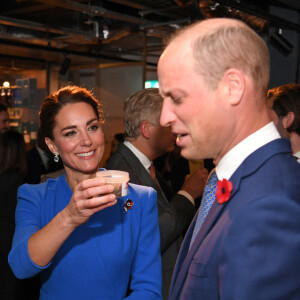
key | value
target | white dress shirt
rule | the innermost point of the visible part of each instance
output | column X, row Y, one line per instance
column 146, row 162
column 233, row 159
column 297, row 155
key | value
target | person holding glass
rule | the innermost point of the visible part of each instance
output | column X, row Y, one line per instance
column 73, row 230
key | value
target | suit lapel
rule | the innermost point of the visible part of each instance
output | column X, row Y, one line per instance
column 164, row 191
column 186, row 253
column 141, row 175
column 251, row 163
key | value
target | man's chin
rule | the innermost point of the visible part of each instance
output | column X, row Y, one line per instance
column 188, row 154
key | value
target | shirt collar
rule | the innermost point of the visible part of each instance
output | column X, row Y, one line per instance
column 234, row 158
column 297, row 155
column 145, row 161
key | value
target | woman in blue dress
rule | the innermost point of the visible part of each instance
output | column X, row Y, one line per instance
column 73, row 230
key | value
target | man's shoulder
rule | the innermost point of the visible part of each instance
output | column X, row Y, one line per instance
column 270, row 171
column 272, row 154
column 117, row 161
column 122, row 159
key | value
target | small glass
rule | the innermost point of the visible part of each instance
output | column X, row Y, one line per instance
column 119, row 180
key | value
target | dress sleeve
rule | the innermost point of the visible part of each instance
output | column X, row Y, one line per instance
column 146, row 278
column 28, row 221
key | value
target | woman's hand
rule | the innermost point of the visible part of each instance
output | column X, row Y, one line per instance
column 89, row 196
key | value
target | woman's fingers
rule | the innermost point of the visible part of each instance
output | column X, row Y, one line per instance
column 87, row 184
column 92, row 195
column 100, row 201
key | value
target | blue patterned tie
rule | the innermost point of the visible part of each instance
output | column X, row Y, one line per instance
column 208, row 198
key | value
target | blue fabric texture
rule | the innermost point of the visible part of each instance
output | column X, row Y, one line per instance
column 102, row 259
column 248, row 247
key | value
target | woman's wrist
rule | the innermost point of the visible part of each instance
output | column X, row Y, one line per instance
column 67, row 219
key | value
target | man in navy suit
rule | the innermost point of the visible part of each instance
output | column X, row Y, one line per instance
column 213, row 76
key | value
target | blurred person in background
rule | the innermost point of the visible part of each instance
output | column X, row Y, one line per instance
column 4, row 118
column 284, row 101
column 12, row 172
column 40, row 162
column 118, row 138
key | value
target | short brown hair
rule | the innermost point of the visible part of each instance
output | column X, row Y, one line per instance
column 285, row 99
column 143, row 105
column 230, row 46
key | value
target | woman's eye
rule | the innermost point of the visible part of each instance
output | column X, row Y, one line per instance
column 70, row 133
column 94, row 127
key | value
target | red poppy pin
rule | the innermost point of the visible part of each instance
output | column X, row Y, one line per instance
column 224, row 188
column 127, row 205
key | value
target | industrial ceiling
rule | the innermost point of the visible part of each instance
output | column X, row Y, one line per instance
column 34, row 34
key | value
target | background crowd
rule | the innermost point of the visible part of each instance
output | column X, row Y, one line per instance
column 66, row 235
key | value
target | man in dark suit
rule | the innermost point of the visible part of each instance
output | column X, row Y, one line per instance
column 284, row 102
column 244, row 242
column 146, row 140
column 40, row 162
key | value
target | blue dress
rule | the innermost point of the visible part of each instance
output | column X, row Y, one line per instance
column 103, row 258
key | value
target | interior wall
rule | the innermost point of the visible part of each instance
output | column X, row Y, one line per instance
column 113, row 86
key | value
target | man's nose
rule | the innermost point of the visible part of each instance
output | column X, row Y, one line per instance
column 167, row 116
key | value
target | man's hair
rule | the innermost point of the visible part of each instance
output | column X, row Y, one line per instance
column 12, row 152
column 230, row 46
column 143, row 105
column 285, row 99
column 3, row 107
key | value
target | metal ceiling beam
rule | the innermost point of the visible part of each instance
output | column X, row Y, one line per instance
column 183, row 21
column 94, row 11
column 100, row 55
column 41, row 27
column 291, row 3
column 144, row 10
column 130, row 4
column 30, row 9
column 283, row 23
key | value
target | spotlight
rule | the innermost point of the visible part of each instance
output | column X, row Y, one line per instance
column 281, row 43
column 64, row 66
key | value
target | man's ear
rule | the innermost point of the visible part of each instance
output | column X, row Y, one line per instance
column 52, row 147
column 233, row 85
column 146, row 129
column 288, row 120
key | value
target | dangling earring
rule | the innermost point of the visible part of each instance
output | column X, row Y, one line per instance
column 56, row 157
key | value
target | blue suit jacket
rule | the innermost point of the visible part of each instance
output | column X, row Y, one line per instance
column 249, row 247
column 101, row 257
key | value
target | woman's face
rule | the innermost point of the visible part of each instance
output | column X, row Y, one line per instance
column 78, row 138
